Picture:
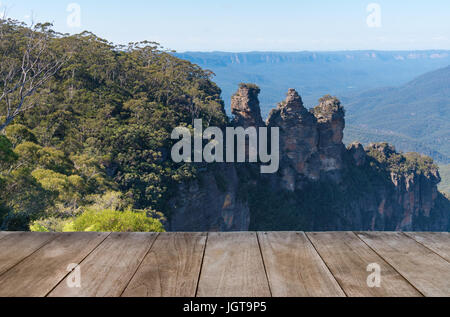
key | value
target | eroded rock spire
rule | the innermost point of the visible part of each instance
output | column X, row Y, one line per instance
column 245, row 107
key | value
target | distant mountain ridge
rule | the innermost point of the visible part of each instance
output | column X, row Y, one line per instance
column 225, row 58
column 414, row 116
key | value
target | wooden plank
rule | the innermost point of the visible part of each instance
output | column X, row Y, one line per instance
column 3, row 234
column 423, row 268
column 438, row 242
column 233, row 267
column 294, row 268
column 37, row 275
column 348, row 259
column 171, row 268
column 108, row 269
column 15, row 247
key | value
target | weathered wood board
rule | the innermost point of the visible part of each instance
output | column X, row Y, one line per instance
column 237, row 264
column 294, row 268
column 233, row 267
column 171, row 268
column 15, row 247
column 38, row 274
column 108, row 269
column 427, row 271
column 439, row 242
column 349, row 259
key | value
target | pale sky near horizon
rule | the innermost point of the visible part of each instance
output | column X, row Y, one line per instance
column 251, row 25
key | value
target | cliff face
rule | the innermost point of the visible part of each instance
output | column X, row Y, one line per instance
column 210, row 203
column 408, row 200
column 331, row 123
column 321, row 185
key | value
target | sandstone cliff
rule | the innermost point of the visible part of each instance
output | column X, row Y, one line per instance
column 321, row 184
column 210, row 203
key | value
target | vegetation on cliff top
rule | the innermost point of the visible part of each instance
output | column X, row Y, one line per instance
column 387, row 156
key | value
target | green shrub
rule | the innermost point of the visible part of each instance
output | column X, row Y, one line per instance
column 18, row 133
column 7, row 155
column 51, row 225
column 115, row 221
column 253, row 87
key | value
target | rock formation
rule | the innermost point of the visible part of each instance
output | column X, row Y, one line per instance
column 414, row 188
column 321, row 185
column 331, row 123
column 299, row 140
column 245, row 107
column 310, row 141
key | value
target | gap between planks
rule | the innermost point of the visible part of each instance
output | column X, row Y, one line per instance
column 46, row 267
column 27, row 245
column 422, row 267
column 348, row 258
column 427, row 239
column 107, row 234
column 294, row 267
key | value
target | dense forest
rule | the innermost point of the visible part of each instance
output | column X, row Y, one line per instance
column 85, row 147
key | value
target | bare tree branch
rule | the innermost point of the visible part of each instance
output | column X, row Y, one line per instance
column 27, row 64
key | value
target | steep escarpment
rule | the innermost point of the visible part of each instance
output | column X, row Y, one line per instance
column 321, row 184
column 413, row 198
column 210, row 203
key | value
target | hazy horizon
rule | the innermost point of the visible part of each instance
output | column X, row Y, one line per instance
column 322, row 51
column 236, row 26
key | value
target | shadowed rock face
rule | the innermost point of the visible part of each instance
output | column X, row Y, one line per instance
column 357, row 153
column 412, row 197
column 331, row 124
column 311, row 144
column 299, row 140
column 383, row 189
column 210, row 203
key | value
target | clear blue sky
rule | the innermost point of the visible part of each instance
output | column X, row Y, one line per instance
column 250, row 25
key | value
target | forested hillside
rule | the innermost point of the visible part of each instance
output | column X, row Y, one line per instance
column 414, row 117
column 89, row 148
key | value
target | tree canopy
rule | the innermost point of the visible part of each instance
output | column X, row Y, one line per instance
column 100, row 124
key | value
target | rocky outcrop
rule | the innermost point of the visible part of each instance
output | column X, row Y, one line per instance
column 321, row 185
column 245, row 107
column 331, row 123
column 311, row 145
column 299, row 140
column 414, row 182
